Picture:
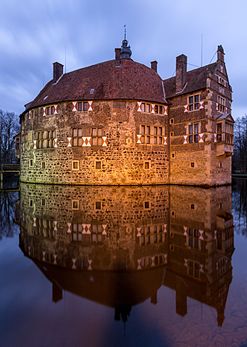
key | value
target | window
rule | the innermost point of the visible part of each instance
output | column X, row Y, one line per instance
column 76, row 137
column 172, row 121
column 194, row 102
column 221, row 103
column 192, row 164
column 97, row 134
column 31, row 162
column 222, row 81
column 224, row 136
column 152, row 135
column 146, row 165
column 146, row 204
column 49, row 110
column 82, row 106
column 193, row 133
column 146, row 107
column 229, row 133
column 45, row 139
column 43, row 165
column 75, row 204
column 98, row 165
column 193, row 269
column 194, row 238
column 98, row 205
column 75, row 165
column 145, row 132
column 219, row 132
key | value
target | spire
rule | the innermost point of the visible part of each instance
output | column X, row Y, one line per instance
column 125, row 48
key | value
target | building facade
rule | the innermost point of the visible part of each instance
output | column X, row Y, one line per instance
column 120, row 123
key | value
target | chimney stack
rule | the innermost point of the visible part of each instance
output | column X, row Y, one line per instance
column 57, row 71
column 117, row 53
column 181, row 70
column 220, row 54
column 154, row 65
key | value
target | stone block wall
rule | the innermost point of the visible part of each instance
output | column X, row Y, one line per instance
column 123, row 160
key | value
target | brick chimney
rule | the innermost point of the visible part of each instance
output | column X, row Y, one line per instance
column 57, row 71
column 220, row 54
column 154, row 65
column 117, row 53
column 181, row 70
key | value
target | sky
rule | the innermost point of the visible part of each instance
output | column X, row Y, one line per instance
column 79, row 33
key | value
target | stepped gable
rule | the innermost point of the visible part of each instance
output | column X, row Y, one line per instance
column 195, row 80
column 114, row 79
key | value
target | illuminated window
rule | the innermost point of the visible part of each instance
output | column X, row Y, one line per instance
column 194, row 102
column 96, row 135
column 152, row 134
column 76, row 137
column 193, row 133
column 75, row 165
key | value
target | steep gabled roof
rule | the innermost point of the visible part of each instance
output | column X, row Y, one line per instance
column 114, row 79
column 195, row 80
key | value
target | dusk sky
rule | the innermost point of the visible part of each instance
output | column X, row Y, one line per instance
column 34, row 34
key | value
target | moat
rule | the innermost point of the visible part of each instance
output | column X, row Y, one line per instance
column 123, row 266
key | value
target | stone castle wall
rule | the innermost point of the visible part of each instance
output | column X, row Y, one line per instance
column 120, row 155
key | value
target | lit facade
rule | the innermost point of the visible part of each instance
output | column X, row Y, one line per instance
column 120, row 123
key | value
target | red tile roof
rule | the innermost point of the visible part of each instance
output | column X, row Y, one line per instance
column 114, row 79
column 195, row 80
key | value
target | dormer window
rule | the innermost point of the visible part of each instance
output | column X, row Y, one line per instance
column 194, row 102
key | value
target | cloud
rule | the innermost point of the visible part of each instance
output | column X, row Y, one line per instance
column 34, row 35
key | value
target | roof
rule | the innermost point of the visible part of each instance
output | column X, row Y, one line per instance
column 113, row 79
column 195, row 79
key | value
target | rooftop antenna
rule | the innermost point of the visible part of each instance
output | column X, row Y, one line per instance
column 201, row 49
column 65, row 58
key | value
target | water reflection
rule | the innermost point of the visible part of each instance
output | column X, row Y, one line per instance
column 117, row 246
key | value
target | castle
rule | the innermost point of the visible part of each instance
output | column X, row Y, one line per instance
column 119, row 123
column 173, row 236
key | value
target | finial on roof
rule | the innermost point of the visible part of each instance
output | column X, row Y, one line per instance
column 125, row 48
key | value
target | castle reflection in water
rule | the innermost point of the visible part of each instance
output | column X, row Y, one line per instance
column 118, row 245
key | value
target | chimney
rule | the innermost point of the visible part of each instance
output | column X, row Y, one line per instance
column 117, row 53
column 154, row 65
column 181, row 70
column 57, row 71
column 220, row 54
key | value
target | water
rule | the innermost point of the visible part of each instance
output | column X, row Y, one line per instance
column 123, row 266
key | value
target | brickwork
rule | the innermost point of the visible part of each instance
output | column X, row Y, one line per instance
column 130, row 127
column 121, row 158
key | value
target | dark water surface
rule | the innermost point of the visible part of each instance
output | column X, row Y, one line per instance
column 114, row 266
